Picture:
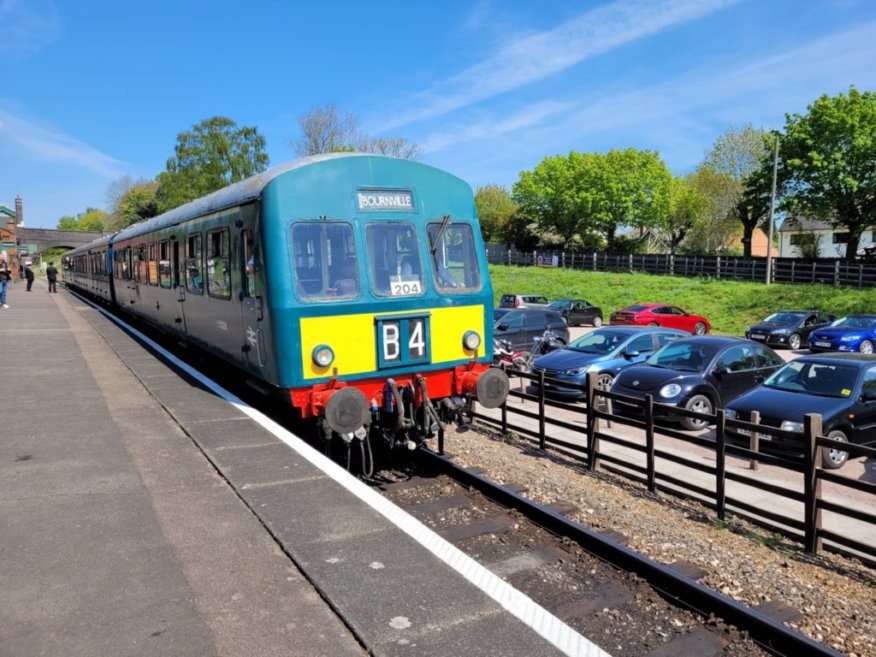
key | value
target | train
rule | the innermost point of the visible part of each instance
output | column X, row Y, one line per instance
column 354, row 285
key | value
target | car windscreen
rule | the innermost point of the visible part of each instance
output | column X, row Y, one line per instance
column 636, row 309
column 784, row 318
column 856, row 322
column 822, row 379
column 598, row 342
column 560, row 305
column 684, row 356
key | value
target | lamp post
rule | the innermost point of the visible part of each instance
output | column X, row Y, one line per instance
column 769, row 263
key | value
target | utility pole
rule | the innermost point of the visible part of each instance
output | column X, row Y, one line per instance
column 769, row 267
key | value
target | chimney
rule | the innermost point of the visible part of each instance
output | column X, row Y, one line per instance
column 19, row 212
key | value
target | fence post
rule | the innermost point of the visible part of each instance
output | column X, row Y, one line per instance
column 505, row 415
column 541, row 436
column 631, row 262
column 649, row 443
column 754, row 441
column 811, row 483
column 836, row 273
column 718, row 267
column 592, row 423
column 720, row 465
column 860, row 276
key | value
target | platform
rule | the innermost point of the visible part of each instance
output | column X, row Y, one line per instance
column 145, row 513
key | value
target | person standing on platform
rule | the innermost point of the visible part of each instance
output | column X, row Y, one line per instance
column 5, row 277
column 52, row 275
column 28, row 275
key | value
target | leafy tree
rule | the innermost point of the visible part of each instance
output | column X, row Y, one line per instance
column 330, row 129
column 90, row 220
column 548, row 196
column 828, row 157
column 688, row 207
column 739, row 154
column 808, row 245
column 138, row 204
column 68, row 223
column 718, row 228
column 210, row 156
column 495, row 209
column 521, row 232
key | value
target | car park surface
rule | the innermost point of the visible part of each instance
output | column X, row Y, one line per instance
column 606, row 350
column 660, row 314
column 522, row 326
column 578, row 311
column 698, row 374
column 788, row 328
column 851, row 333
column 840, row 387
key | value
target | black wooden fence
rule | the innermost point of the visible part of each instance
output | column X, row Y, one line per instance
column 829, row 271
column 595, row 409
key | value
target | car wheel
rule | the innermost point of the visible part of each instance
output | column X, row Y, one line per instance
column 866, row 347
column 699, row 329
column 832, row 458
column 604, row 381
column 653, row 324
column 794, row 341
column 597, row 321
column 698, row 404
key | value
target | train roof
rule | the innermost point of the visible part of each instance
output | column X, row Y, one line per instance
column 236, row 194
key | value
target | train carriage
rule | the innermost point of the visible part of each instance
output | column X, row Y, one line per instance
column 356, row 284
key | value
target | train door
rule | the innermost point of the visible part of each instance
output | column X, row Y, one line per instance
column 178, row 269
column 251, row 298
column 138, row 272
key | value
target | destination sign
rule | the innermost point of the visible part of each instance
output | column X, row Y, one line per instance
column 385, row 199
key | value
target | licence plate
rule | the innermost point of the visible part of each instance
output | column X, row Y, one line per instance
column 822, row 344
column 758, row 336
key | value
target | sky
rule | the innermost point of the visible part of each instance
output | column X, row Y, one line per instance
column 94, row 91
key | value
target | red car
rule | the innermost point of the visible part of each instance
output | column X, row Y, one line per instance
column 661, row 314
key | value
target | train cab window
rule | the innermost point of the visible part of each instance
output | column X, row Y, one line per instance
column 165, row 273
column 324, row 259
column 250, row 266
column 194, row 268
column 394, row 259
column 454, row 257
column 218, row 261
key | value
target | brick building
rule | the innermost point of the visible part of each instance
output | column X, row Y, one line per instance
column 10, row 220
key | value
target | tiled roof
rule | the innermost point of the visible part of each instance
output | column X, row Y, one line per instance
column 794, row 224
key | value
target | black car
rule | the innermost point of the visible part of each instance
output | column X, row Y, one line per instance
column 699, row 374
column 498, row 313
column 840, row 387
column 521, row 327
column 788, row 328
column 578, row 311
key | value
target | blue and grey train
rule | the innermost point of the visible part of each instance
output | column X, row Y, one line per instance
column 354, row 284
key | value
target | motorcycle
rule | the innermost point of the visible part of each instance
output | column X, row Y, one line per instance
column 505, row 356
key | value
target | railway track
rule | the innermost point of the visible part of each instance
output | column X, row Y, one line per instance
column 627, row 603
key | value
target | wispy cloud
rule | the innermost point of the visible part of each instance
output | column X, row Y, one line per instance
column 25, row 139
column 537, row 56
column 28, row 26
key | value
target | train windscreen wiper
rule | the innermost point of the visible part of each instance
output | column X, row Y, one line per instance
column 434, row 241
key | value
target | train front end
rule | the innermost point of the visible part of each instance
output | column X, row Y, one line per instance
column 384, row 324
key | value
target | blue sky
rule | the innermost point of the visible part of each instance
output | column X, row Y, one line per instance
column 94, row 90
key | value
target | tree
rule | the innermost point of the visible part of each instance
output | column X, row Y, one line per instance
column 688, row 207
column 213, row 154
column 718, row 228
column 131, row 201
column 548, row 196
column 828, row 157
column 68, row 223
column 330, row 129
column 495, row 209
column 92, row 219
column 739, row 154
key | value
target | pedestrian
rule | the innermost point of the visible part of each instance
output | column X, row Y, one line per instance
column 52, row 275
column 28, row 275
column 5, row 277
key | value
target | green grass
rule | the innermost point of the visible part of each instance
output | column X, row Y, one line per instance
column 730, row 306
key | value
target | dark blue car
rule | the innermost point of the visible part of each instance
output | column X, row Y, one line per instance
column 698, row 374
column 852, row 333
column 840, row 387
column 606, row 350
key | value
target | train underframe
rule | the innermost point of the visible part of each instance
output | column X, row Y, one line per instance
column 401, row 412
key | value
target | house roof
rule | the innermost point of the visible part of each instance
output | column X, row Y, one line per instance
column 796, row 224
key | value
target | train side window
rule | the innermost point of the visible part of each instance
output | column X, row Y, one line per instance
column 394, row 259
column 165, row 275
column 250, row 266
column 218, row 270
column 153, row 264
column 142, row 269
column 194, row 268
column 454, row 257
column 324, row 259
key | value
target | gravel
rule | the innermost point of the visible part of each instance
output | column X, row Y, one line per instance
column 835, row 595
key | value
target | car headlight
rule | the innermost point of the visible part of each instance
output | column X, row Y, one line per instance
column 730, row 414
column 322, row 355
column 787, row 425
column 670, row 390
column 783, row 331
column 471, row 340
column 578, row 371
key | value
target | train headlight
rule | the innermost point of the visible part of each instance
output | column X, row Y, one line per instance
column 471, row 340
column 322, row 355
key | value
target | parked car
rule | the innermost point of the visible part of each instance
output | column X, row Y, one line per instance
column 498, row 313
column 523, row 301
column 522, row 327
column 841, row 387
column 661, row 314
column 852, row 333
column 698, row 374
column 606, row 350
column 578, row 311
column 788, row 328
